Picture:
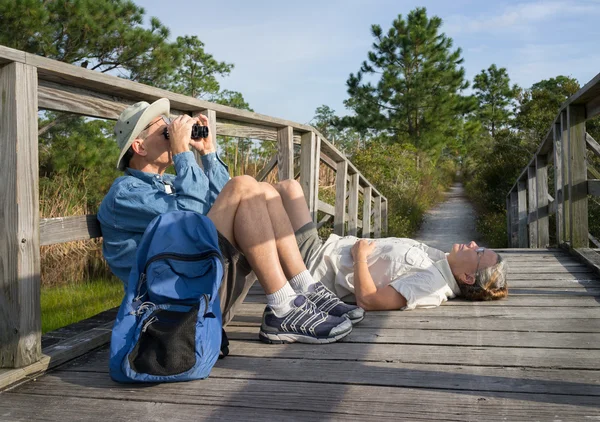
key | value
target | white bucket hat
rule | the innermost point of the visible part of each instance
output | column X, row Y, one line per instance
column 134, row 119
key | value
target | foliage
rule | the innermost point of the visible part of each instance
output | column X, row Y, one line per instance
column 494, row 94
column 411, row 180
column 416, row 96
column 67, row 304
column 345, row 139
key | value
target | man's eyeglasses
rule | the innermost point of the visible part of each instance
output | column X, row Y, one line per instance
column 164, row 119
column 480, row 251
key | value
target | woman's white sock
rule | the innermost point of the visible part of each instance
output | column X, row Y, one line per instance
column 282, row 300
column 303, row 282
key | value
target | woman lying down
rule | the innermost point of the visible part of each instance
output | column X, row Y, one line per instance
column 395, row 273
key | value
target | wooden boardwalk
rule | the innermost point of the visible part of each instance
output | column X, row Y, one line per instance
column 534, row 356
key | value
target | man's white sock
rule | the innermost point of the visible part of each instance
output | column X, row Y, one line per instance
column 303, row 282
column 281, row 302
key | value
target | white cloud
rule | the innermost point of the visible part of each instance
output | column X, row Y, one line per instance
column 519, row 17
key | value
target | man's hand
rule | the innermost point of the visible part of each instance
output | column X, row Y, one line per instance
column 203, row 145
column 180, row 132
column 362, row 249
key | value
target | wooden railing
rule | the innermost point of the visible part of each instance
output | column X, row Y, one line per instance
column 529, row 204
column 29, row 83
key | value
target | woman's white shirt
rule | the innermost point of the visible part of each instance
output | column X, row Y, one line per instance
column 419, row 273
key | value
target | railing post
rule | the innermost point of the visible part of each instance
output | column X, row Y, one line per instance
column 578, row 177
column 317, row 176
column 20, row 320
column 366, row 228
column 522, row 211
column 508, row 225
column 558, row 183
column 353, row 206
column 564, row 126
column 514, row 218
column 377, row 217
column 285, row 153
column 307, row 170
column 532, row 207
column 384, row 217
column 541, row 169
column 341, row 177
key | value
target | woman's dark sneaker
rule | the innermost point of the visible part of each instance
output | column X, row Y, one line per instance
column 327, row 301
column 303, row 324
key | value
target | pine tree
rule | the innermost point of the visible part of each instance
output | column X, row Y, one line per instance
column 493, row 91
column 417, row 97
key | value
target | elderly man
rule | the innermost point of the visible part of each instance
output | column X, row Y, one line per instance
column 261, row 227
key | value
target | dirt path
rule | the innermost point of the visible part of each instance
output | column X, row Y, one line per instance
column 452, row 221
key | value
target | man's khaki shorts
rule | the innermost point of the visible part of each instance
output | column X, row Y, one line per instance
column 238, row 277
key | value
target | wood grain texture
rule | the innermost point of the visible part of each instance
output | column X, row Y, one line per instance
column 341, row 180
column 558, row 182
column 384, row 216
column 308, row 171
column 377, row 217
column 316, row 177
column 285, row 153
column 20, row 319
column 67, row 229
column 353, row 205
column 532, row 220
column 578, row 177
column 542, row 210
column 522, row 207
column 566, row 176
column 366, row 229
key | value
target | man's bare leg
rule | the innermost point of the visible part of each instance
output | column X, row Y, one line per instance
column 240, row 214
column 287, row 248
column 294, row 203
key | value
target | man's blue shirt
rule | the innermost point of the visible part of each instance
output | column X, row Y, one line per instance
column 136, row 198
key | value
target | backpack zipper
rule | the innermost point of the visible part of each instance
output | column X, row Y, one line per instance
column 179, row 257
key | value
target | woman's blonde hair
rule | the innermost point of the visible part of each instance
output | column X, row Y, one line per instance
column 490, row 283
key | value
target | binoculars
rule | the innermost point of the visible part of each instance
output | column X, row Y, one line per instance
column 198, row 132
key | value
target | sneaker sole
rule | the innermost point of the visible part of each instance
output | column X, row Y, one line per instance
column 281, row 338
column 356, row 320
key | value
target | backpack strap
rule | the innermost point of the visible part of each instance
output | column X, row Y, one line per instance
column 224, row 345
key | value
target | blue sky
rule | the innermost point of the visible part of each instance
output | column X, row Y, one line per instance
column 291, row 57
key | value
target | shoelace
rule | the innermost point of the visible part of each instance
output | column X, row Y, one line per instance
column 308, row 308
column 324, row 299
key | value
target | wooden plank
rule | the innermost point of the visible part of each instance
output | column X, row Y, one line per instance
column 452, row 337
column 456, row 312
column 564, row 126
column 235, row 129
column 249, row 398
column 532, row 207
column 60, row 353
column 8, row 55
column 67, row 229
column 593, row 187
column 558, row 182
column 482, row 378
column 308, row 169
column 285, row 153
column 353, row 205
column 522, row 210
column 377, row 218
column 366, row 229
column 578, row 177
column 30, row 407
column 508, row 227
column 451, row 355
column 339, row 217
column 541, row 168
column 590, row 257
column 594, row 241
column 592, row 144
column 20, row 320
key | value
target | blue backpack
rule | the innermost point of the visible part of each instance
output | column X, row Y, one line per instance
column 169, row 325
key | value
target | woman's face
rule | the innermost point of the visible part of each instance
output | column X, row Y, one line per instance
column 465, row 261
